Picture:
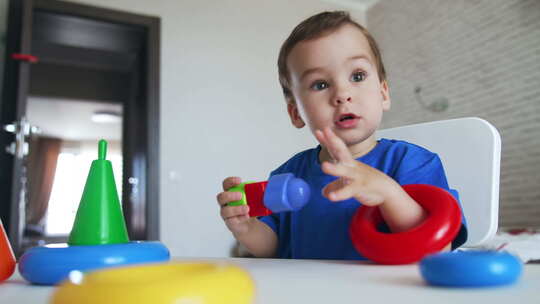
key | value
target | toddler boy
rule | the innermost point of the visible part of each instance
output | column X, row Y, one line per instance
column 334, row 81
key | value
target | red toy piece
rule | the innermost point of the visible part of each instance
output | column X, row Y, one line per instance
column 432, row 235
column 255, row 199
column 7, row 258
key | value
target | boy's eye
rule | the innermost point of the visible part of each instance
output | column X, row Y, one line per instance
column 319, row 85
column 358, row 76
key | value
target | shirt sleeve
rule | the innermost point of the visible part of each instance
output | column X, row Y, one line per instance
column 271, row 220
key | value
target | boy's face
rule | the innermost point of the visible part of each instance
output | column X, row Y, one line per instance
column 335, row 84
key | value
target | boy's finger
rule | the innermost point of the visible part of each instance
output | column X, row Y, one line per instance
column 233, row 211
column 224, row 198
column 339, row 169
column 230, row 182
column 320, row 137
column 324, row 141
column 333, row 186
column 234, row 221
column 336, row 146
column 340, row 193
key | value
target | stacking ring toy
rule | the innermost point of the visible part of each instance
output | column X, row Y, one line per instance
column 7, row 258
column 470, row 269
column 432, row 235
column 99, row 237
column 48, row 265
column 159, row 284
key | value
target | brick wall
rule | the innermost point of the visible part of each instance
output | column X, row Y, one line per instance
column 483, row 57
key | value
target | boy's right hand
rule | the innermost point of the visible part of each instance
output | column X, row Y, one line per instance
column 236, row 218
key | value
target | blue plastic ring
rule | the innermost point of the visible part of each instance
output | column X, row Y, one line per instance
column 471, row 269
column 50, row 264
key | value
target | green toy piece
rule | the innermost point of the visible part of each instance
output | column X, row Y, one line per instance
column 99, row 217
column 239, row 188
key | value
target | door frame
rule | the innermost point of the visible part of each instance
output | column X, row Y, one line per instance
column 140, row 151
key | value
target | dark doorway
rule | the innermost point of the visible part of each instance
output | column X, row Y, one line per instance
column 66, row 65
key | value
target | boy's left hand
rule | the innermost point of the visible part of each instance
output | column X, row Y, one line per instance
column 356, row 179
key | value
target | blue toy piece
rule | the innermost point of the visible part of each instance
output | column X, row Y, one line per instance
column 48, row 265
column 284, row 192
column 471, row 269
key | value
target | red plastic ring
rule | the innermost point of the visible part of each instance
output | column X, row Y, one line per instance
column 7, row 258
column 432, row 235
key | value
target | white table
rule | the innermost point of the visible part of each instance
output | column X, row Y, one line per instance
column 334, row 282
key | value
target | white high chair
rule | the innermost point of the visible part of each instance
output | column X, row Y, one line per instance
column 470, row 150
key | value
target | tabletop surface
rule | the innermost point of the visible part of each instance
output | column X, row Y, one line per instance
column 329, row 282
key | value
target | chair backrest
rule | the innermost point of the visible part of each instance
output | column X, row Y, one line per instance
column 470, row 150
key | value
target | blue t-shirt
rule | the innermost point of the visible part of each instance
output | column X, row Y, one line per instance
column 320, row 230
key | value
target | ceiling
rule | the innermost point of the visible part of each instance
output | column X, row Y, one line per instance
column 70, row 119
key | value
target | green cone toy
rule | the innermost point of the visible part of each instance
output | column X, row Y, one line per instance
column 99, row 218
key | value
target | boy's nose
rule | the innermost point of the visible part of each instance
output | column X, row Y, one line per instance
column 342, row 99
column 342, row 93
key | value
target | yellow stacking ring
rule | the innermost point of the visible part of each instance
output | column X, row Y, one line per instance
column 180, row 282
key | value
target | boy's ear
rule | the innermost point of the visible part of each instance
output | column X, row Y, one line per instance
column 385, row 92
column 296, row 120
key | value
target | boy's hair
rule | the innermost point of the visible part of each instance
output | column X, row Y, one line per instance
column 314, row 27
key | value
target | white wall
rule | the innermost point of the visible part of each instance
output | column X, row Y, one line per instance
column 222, row 112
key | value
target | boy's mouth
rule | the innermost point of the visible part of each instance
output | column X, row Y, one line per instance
column 347, row 121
